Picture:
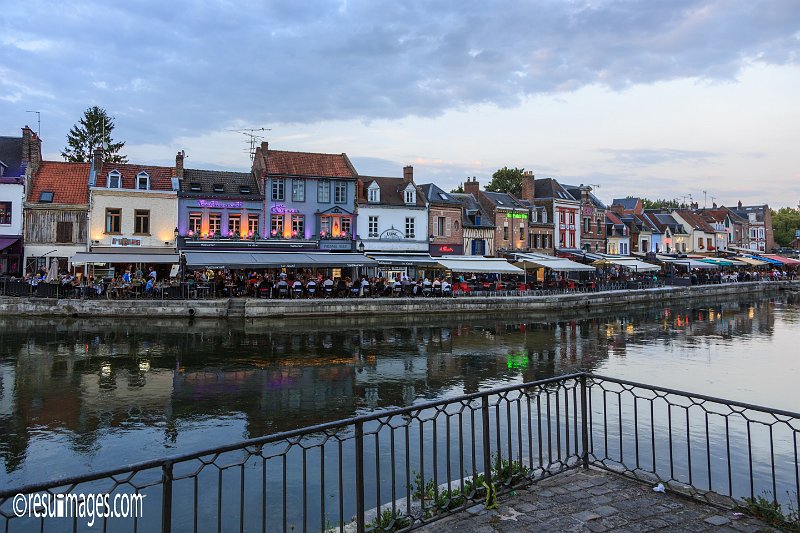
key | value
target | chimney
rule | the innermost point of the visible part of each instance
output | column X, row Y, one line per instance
column 408, row 173
column 585, row 190
column 528, row 188
column 179, row 164
column 264, row 147
column 97, row 161
column 359, row 189
column 740, row 204
column 472, row 187
column 31, row 148
column 617, row 208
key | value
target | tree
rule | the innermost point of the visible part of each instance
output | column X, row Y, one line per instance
column 785, row 222
column 459, row 189
column 657, row 204
column 93, row 131
column 507, row 180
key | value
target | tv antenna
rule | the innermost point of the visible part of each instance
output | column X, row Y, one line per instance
column 38, row 121
column 704, row 198
column 253, row 138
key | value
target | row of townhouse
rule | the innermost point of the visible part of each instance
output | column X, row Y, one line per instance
column 101, row 212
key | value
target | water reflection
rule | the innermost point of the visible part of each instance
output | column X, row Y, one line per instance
column 82, row 395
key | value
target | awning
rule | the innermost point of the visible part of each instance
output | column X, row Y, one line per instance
column 769, row 260
column 557, row 264
column 5, row 242
column 89, row 257
column 751, row 261
column 274, row 259
column 690, row 263
column 404, row 259
column 788, row 261
column 633, row 264
column 580, row 254
column 479, row 265
column 715, row 261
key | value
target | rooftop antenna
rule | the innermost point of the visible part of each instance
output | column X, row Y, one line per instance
column 704, row 198
column 39, row 122
column 253, row 139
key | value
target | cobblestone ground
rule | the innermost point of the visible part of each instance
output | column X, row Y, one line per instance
column 592, row 500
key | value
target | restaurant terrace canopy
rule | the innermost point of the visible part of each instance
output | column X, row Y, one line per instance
column 478, row 265
column 274, row 260
column 751, row 261
column 103, row 258
column 690, row 263
column 557, row 264
column 418, row 260
column 787, row 261
column 633, row 264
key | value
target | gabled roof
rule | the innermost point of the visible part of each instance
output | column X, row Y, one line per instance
column 575, row 192
column 665, row 220
column 471, row 208
column 435, row 195
column 160, row 177
column 745, row 210
column 717, row 215
column 629, row 204
column 284, row 163
column 502, row 200
column 613, row 218
column 392, row 191
column 207, row 179
column 11, row 156
column 68, row 182
column 547, row 188
column 694, row 220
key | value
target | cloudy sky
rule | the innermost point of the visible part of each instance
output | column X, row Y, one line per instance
column 658, row 98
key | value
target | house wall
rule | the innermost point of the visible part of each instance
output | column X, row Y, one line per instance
column 14, row 193
column 484, row 234
column 567, row 225
column 163, row 207
column 512, row 223
column 393, row 218
column 39, row 232
column 225, row 207
column 453, row 235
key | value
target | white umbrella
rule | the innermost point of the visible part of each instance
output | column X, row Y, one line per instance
column 52, row 273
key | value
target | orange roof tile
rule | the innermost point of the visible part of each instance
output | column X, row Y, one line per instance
column 160, row 177
column 309, row 164
column 68, row 181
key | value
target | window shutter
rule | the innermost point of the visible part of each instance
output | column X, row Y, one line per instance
column 64, row 232
column 447, row 227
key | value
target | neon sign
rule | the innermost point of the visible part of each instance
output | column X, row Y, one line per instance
column 219, row 205
column 516, row 215
column 281, row 209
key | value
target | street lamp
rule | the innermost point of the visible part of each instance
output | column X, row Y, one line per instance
column 361, row 247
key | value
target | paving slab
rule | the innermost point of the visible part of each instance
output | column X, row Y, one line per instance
column 560, row 503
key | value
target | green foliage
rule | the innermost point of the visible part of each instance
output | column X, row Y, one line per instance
column 785, row 222
column 93, row 131
column 459, row 189
column 507, row 180
column 662, row 203
column 388, row 521
column 768, row 510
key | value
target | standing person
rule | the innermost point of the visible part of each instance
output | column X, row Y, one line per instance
column 152, row 274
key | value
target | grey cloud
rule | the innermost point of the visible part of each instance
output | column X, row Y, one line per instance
column 647, row 156
column 203, row 66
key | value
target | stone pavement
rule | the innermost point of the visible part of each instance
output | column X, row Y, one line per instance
column 594, row 500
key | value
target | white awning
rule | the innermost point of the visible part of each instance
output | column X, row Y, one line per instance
column 479, row 265
column 91, row 257
column 274, row 259
column 633, row 264
column 404, row 259
column 557, row 264
column 690, row 263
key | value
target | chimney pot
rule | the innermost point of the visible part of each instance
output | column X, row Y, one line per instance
column 408, row 173
column 472, row 186
column 97, row 161
column 179, row 164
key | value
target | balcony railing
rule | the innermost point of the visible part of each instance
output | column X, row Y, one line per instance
column 399, row 469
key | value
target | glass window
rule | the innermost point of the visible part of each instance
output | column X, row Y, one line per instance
column 143, row 181
column 346, row 226
column 410, row 197
column 440, row 222
column 252, row 224
column 374, row 195
column 587, row 225
column 46, row 197
column 409, row 227
column 505, row 232
column 298, row 190
column 141, row 221
column 113, row 220
column 5, row 212
column 114, row 180
column 340, row 192
column 276, row 225
column 298, row 226
column 325, row 226
column 373, row 227
column 195, row 223
column 278, row 188
column 234, row 224
column 64, row 231
column 561, row 217
column 214, row 223
column 324, row 191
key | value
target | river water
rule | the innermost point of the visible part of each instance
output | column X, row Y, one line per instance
column 78, row 396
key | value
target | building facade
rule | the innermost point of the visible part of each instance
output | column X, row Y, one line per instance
column 12, row 195
column 507, row 214
column 592, row 218
column 445, row 219
column 478, row 226
column 759, row 226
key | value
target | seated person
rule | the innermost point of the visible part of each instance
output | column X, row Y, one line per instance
column 446, row 288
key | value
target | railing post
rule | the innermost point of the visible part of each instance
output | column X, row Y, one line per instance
column 166, row 497
column 584, row 422
column 360, row 519
column 487, row 444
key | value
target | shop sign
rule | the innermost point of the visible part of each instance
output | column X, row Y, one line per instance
column 282, row 209
column 124, row 241
column 445, row 249
column 391, row 234
column 328, row 245
column 516, row 215
column 220, row 205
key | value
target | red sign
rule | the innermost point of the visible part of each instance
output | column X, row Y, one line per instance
column 438, row 250
column 446, row 249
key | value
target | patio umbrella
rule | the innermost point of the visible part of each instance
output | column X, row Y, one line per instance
column 602, row 263
column 52, row 272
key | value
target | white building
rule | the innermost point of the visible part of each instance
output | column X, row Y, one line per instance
column 12, row 195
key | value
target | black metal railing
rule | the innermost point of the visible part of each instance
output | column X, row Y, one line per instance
column 400, row 469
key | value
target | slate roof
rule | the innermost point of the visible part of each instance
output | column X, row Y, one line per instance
column 284, row 163
column 392, row 191
column 502, row 200
column 435, row 195
column 471, row 208
column 626, row 203
column 547, row 188
column 231, row 181
column 696, row 221
column 665, row 220
column 745, row 210
column 68, row 181
column 575, row 192
column 11, row 156
column 160, row 177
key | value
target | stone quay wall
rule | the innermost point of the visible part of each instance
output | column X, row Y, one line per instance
column 253, row 308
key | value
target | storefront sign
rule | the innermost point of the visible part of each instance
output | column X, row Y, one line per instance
column 220, row 205
column 332, row 245
column 124, row 241
column 391, row 234
column 438, row 250
column 516, row 215
column 281, row 209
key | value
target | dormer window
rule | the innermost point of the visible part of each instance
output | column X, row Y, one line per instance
column 195, row 186
column 114, row 180
column 244, row 189
column 373, row 193
column 219, row 187
column 411, row 195
column 143, row 181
